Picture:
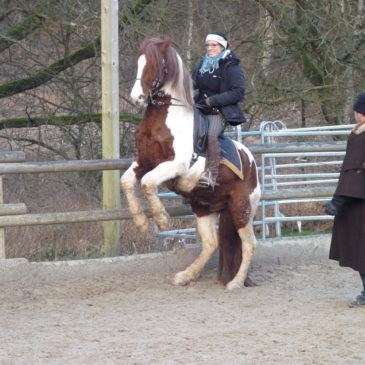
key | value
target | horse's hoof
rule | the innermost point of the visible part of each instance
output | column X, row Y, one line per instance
column 249, row 282
column 181, row 279
column 163, row 222
column 233, row 285
column 142, row 223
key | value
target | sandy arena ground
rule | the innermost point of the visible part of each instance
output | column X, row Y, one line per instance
column 126, row 311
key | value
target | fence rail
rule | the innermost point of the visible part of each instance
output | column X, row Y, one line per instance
column 122, row 164
column 17, row 220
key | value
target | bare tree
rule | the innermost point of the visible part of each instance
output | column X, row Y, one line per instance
column 50, row 74
column 296, row 54
column 323, row 40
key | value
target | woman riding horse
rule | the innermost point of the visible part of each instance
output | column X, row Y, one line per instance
column 164, row 141
column 219, row 82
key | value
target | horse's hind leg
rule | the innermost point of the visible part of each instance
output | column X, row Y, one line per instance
column 249, row 243
column 128, row 182
column 208, row 232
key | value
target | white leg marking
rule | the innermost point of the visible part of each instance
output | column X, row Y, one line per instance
column 163, row 172
column 128, row 182
column 249, row 244
column 208, row 232
column 158, row 210
column 189, row 181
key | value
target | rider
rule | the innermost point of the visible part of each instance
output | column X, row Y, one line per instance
column 219, row 85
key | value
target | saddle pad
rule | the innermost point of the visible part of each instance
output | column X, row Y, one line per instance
column 230, row 156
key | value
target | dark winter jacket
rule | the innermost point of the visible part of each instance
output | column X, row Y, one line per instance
column 351, row 182
column 224, row 87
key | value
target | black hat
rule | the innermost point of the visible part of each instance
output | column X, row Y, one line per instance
column 359, row 105
column 220, row 33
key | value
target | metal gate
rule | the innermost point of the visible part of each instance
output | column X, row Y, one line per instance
column 282, row 170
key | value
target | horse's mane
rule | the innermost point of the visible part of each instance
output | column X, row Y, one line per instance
column 172, row 70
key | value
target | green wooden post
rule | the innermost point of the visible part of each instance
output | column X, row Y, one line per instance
column 110, row 119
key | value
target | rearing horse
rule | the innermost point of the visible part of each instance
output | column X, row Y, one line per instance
column 164, row 141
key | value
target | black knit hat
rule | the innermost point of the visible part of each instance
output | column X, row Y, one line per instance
column 359, row 105
column 220, row 33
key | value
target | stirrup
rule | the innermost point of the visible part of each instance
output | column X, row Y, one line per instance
column 207, row 181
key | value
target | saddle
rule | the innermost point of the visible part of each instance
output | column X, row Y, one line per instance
column 229, row 153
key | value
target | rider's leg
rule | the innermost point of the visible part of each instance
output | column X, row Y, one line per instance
column 213, row 151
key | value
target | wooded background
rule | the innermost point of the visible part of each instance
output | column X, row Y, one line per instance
column 303, row 62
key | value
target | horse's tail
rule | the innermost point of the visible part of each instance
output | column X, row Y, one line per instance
column 230, row 249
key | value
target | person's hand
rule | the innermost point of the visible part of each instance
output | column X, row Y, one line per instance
column 207, row 101
column 330, row 208
column 335, row 204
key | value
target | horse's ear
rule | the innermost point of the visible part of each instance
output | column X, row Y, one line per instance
column 165, row 44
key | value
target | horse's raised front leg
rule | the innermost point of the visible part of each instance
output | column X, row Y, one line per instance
column 249, row 244
column 128, row 182
column 189, row 181
column 207, row 228
column 158, row 210
column 150, row 182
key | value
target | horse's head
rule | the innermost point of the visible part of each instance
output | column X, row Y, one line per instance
column 151, row 68
column 159, row 67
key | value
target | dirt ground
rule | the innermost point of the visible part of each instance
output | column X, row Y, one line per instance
column 126, row 311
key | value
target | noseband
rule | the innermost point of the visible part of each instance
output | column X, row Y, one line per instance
column 155, row 92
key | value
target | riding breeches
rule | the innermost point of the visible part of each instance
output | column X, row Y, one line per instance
column 216, row 127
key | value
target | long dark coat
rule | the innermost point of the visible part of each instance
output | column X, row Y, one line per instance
column 348, row 236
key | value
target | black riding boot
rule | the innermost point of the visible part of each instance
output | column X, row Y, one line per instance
column 210, row 174
column 360, row 299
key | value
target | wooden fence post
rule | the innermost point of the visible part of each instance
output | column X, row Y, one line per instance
column 7, row 156
column 110, row 119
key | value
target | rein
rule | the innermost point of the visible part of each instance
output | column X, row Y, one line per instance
column 153, row 94
column 156, row 92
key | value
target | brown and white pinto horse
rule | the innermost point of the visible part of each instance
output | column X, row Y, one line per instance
column 164, row 141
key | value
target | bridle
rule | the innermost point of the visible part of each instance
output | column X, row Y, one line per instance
column 155, row 94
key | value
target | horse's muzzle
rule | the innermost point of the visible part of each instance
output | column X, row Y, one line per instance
column 137, row 94
column 139, row 100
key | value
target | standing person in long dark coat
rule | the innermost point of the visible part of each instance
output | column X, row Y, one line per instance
column 348, row 203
